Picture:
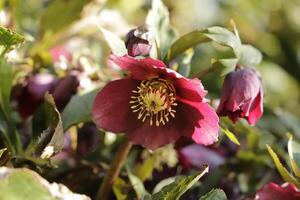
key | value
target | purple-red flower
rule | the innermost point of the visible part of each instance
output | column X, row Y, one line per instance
column 272, row 191
column 155, row 105
column 242, row 96
column 137, row 43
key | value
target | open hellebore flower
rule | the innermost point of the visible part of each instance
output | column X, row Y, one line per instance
column 155, row 105
column 242, row 96
column 137, row 43
column 272, row 191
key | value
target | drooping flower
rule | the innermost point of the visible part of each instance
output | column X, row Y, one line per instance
column 242, row 96
column 155, row 105
column 272, row 191
column 137, row 43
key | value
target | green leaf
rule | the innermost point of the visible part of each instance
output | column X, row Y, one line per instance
column 281, row 169
column 144, row 170
column 214, row 194
column 18, row 184
column 224, row 66
column 78, row 109
column 184, row 62
column 6, row 81
column 137, row 184
column 231, row 136
column 61, row 14
column 115, row 43
column 159, row 22
column 9, row 39
column 185, row 42
column 294, row 154
column 250, row 56
column 217, row 34
column 2, row 151
column 52, row 139
column 119, row 188
column 174, row 190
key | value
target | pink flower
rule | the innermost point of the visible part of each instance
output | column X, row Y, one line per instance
column 155, row 105
column 242, row 96
column 272, row 191
column 135, row 43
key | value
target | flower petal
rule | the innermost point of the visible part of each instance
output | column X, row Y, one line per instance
column 189, row 89
column 140, row 69
column 207, row 129
column 272, row 191
column 111, row 110
column 153, row 136
column 256, row 109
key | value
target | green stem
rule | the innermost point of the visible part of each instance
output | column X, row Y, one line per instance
column 114, row 170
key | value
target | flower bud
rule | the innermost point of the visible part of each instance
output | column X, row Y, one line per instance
column 242, row 96
column 137, row 42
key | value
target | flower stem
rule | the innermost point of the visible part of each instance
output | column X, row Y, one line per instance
column 114, row 170
column 203, row 73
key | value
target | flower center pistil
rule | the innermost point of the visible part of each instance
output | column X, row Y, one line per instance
column 154, row 99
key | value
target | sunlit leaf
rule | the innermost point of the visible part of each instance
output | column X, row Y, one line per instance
column 115, row 43
column 144, row 170
column 214, row 194
column 174, row 190
column 281, row 169
column 26, row 184
column 230, row 136
column 159, row 22
column 137, row 184
column 294, row 154
column 118, row 188
column 250, row 56
column 52, row 138
column 8, row 39
column 79, row 109
column 224, row 66
column 2, row 151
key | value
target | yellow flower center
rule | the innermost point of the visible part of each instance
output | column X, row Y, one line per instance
column 154, row 99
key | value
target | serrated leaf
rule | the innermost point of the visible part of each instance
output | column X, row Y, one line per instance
column 281, row 169
column 52, row 138
column 249, row 56
column 9, row 39
column 174, row 190
column 69, row 11
column 78, row 109
column 230, row 136
column 214, row 194
column 115, row 43
column 224, row 66
column 159, row 22
column 137, row 184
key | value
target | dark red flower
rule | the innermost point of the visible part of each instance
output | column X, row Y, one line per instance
column 137, row 43
column 272, row 191
column 242, row 96
column 155, row 105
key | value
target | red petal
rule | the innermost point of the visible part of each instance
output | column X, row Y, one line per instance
column 256, row 109
column 189, row 89
column 153, row 136
column 140, row 69
column 207, row 129
column 111, row 109
column 272, row 191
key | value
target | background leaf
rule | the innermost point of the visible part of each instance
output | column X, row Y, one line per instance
column 79, row 109
column 178, row 187
column 249, row 56
column 214, row 194
column 8, row 39
column 231, row 136
column 116, row 44
column 137, row 184
column 158, row 21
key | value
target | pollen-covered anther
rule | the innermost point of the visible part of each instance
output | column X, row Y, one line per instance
column 154, row 99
